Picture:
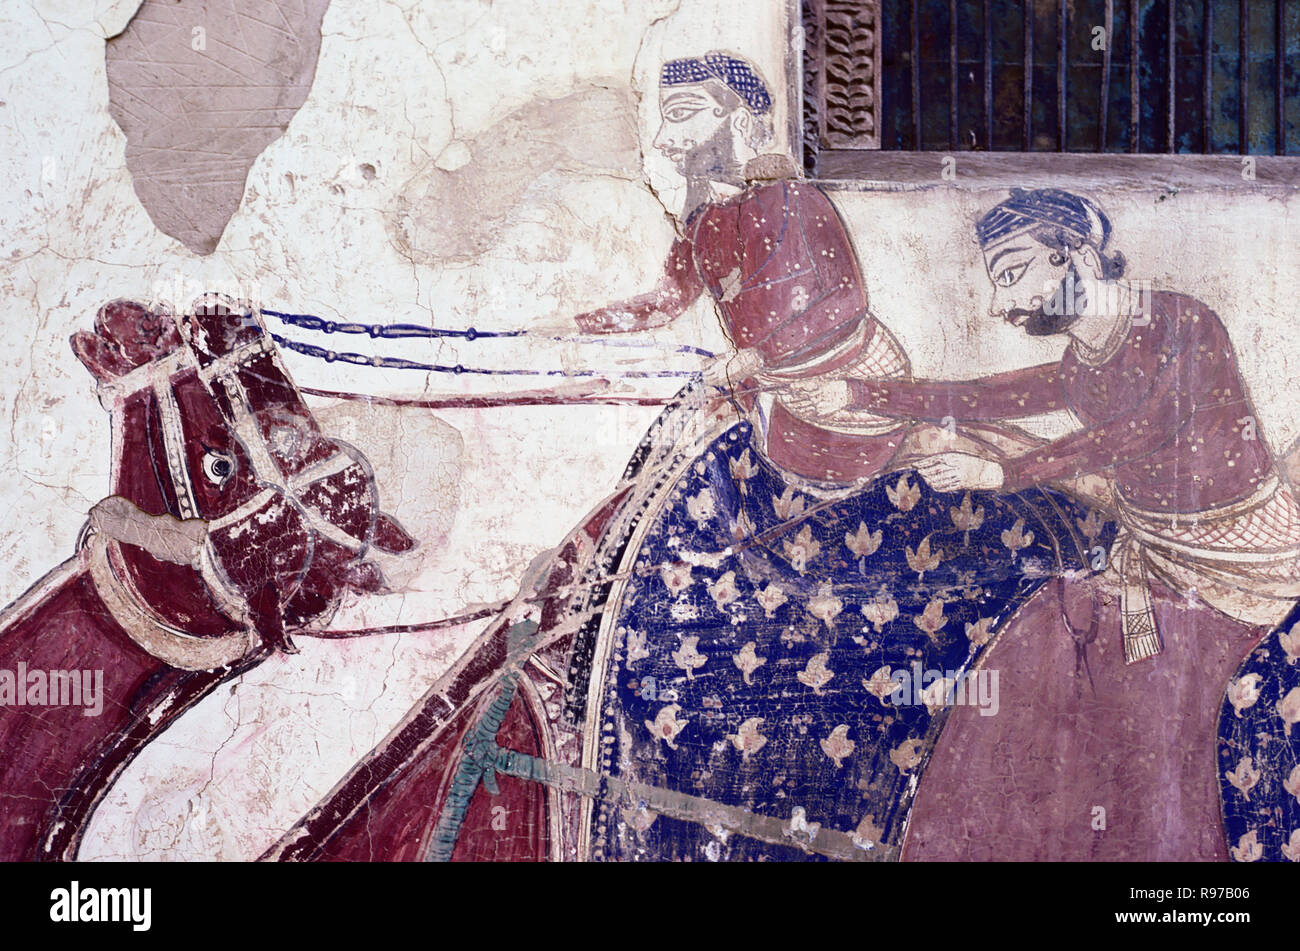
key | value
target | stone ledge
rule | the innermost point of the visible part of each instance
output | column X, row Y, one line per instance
column 911, row 171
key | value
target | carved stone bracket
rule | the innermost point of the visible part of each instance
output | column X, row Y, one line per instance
column 841, row 76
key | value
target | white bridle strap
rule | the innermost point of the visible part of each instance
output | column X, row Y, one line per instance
column 180, row 359
column 267, row 472
column 155, row 636
column 224, row 365
column 174, row 442
column 112, row 392
column 323, row 470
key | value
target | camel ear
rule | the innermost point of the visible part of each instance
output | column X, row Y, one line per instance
column 391, row 537
column 98, row 357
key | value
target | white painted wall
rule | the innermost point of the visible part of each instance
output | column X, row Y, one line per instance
column 525, row 231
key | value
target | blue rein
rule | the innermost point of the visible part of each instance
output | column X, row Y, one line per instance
column 404, row 331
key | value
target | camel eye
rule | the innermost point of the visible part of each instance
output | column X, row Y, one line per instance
column 218, row 467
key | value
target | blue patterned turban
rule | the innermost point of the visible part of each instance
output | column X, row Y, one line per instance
column 1044, row 207
column 1052, row 217
column 733, row 72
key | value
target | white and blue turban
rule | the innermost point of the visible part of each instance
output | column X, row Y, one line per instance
column 733, row 72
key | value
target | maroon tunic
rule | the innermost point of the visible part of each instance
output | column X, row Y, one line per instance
column 1167, row 410
column 778, row 261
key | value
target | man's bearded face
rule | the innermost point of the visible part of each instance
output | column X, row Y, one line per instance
column 696, row 134
column 1031, row 290
column 1061, row 309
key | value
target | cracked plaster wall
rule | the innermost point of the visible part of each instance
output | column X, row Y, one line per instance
column 536, row 136
column 468, row 164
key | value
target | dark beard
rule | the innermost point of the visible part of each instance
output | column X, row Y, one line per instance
column 713, row 160
column 1068, row 310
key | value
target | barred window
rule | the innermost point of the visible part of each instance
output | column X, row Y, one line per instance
column 1079, row 76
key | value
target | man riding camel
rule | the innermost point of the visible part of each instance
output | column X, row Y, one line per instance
column 778, row 262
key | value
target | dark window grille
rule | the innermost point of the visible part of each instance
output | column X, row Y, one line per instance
column 1172, row 76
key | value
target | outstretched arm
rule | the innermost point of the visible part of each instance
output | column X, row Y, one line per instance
column 1136, row 430
column 1012, row 395
column 675, row 292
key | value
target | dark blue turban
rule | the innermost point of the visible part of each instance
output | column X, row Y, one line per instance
column 1044, row 208
column 1054, row 218
column 733, row 72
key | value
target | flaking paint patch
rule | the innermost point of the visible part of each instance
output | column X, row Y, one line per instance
column 455, row 208
column 200, row 90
